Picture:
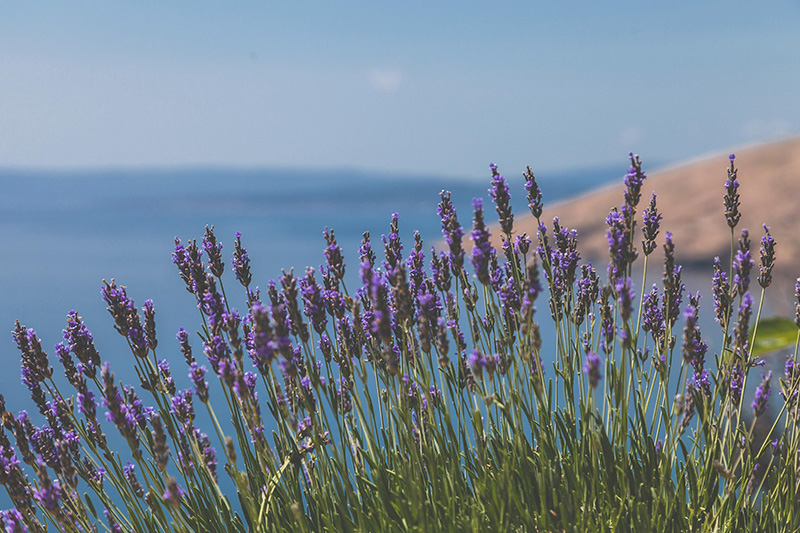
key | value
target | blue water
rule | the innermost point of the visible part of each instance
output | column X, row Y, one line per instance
column 63, row 232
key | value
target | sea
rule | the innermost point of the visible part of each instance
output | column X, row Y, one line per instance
column 62, row 232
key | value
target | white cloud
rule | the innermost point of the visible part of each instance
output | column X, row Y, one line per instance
column 385, row 80
column 630, row 137
column 766, row 129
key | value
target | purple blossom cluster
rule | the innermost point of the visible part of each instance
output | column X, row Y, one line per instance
column 502, row 200
column 482, row 250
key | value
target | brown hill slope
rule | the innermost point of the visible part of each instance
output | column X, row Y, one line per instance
column 690, row 198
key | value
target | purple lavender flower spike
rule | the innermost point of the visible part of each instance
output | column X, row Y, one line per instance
column 35, row 364
column 49, row 492
column 241, row 262
column 416, row 265
column 333, row 255
column 592, row 369
column 588, row 291
column 633, row 181
column 186, row 348
column 150, row 324
column 452, row 232
column 213, row 250
column 440, row 270
column 767, row 259
column 673, row 288
column 731, row 198
column 14, row 522
column 182, row 408
column 197, row 374
column 652, row 222
column 313, row 304
column 760, row 402
column 118, row 305
column 625, row 295
column 482, row 250
column 742, row 328
column 81, row 343
column 742, row 264
column 130, row 476
column 502, row 199
column 393, row 247
column 119, row 412
column 797, row 303
column 723, row 303
column 619, row 245
column 534, row 193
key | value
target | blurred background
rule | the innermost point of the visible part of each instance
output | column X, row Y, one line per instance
column 124, row 125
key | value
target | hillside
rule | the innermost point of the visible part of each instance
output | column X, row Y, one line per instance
column 690, row 198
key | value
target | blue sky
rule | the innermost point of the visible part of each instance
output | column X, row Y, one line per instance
column 436, row 87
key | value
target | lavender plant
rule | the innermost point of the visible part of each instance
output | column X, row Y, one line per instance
column 425, row 398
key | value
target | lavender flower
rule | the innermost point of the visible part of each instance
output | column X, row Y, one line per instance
column 313, row 305
column 289, row 284
column 213, row 250
column 588, row 290
column 734, row 380
column 606, row 322
column 263, row 348
column 186, row 348
column 742, row 328
column 731, row 198
column 652, row 222
column 767, row 258
column 797, row 305
column 35, row 364
column 118, row 305
column 760, row 402
column 723, row 303
column 212, row 304
column 197, row 374
column 365, row 251
column 792, row 377
column 416, row 264
column 562, row 261
column 208, row 452
column 440, row 270
column 190, row 266
column 623, row 287
column 502, row 199
column 619, row 245
column 393, row 247
column 633, row 181
column 14, row 522
column 160, row 447
column 452, row 232
column 218, row 353
column 742, row 264
column 522, row 244
column 241, row 262
column 182, row 408
column 534, row 193
column 150, row 324
column 592, row 369
column 482, row 250
column 119, row 412
column 673, row 288
column 130, row 475
column 333, row 255
column 81, row 343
